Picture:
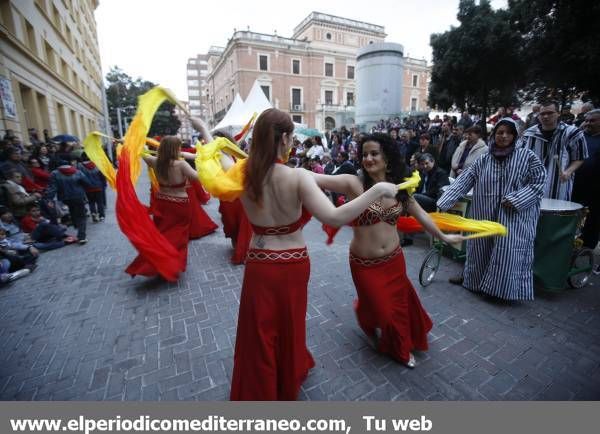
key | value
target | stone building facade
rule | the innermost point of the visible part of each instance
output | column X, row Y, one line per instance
column 50, row 72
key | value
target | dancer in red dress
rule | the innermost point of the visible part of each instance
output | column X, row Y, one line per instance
column 170, row 206
column 271, row 358
column 388, row 308
column 200, row 223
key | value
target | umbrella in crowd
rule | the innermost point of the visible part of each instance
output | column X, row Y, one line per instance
column 303, row 133
column 64, row 138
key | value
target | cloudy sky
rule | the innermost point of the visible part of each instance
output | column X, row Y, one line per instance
column 153, row 39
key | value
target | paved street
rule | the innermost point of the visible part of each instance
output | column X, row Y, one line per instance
column 79, row 328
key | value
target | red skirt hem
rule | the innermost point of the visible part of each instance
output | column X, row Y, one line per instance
column 200, row 223
column 387, row 300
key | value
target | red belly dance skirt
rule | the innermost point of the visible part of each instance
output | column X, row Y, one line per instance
column 200, row 223
column 271, row 359
column 172, row 216
column 388, row 301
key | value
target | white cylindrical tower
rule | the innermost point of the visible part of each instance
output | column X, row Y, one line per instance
column 379, row 73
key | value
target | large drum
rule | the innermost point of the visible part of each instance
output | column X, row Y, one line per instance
column 554, row 243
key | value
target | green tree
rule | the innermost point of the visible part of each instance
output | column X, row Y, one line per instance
column 559, row 41
column 122, row 92
column 476, row 65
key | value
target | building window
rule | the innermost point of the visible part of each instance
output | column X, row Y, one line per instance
column 413, row 104
column 295, row 66
column 415, row 80
column 329, row 97
column 328, row 36
column 297, row 119
column 350, row 73
column 30, row 33
column 267, row 92
column 350, row 98
column 56, row 18
column 263, row 62
column 328, row 69
column 296, row 99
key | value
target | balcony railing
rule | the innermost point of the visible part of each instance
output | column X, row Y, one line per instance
column 297, row 107
column 335, row 107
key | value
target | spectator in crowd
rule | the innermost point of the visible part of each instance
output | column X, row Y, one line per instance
column 425, row 146
column 95, row 190
column 19, row 199
column 343, row 165
column 500, row 114
column 13, row 163
column 11, row 226
column 465, row 120
column 468, row 151
column 41, row 176
column 19, row 255
column 292, row 162
column 413, row 143
column 533, row 117
column 559, row 146
column 566, row 116
column 45, row 235
column 398, row 142
column 336, row 145
column 501, row 266
column 327, row 163
column 317, row 149
column 448, row 144
column 586, row 188
column 433, row 179
column 315, row 165
column 585, row 107
column 68, row 185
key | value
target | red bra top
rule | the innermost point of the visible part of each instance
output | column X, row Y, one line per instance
column 283, row 230
column 376, row 213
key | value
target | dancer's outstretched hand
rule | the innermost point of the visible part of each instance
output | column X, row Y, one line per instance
column 453, row 238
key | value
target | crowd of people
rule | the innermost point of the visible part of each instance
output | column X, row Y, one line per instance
column 45, row 187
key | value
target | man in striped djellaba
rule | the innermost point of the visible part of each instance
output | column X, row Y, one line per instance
column 559, row 146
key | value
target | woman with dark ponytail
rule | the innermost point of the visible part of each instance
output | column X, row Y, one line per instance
column 271, row 358
column 388, row 308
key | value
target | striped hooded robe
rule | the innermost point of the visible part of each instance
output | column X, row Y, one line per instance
column 501, row 266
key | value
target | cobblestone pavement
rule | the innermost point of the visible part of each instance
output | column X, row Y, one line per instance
column 79, row 328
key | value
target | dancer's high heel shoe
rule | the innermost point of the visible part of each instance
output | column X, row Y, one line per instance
column 411, row 361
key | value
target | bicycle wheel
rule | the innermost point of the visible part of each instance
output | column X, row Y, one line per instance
column 582, row 266
column 429, row 267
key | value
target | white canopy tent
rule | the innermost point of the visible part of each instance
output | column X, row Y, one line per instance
column 233, row 118
column 256, row 101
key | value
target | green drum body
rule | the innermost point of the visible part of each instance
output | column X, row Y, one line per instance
column 554, row 243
